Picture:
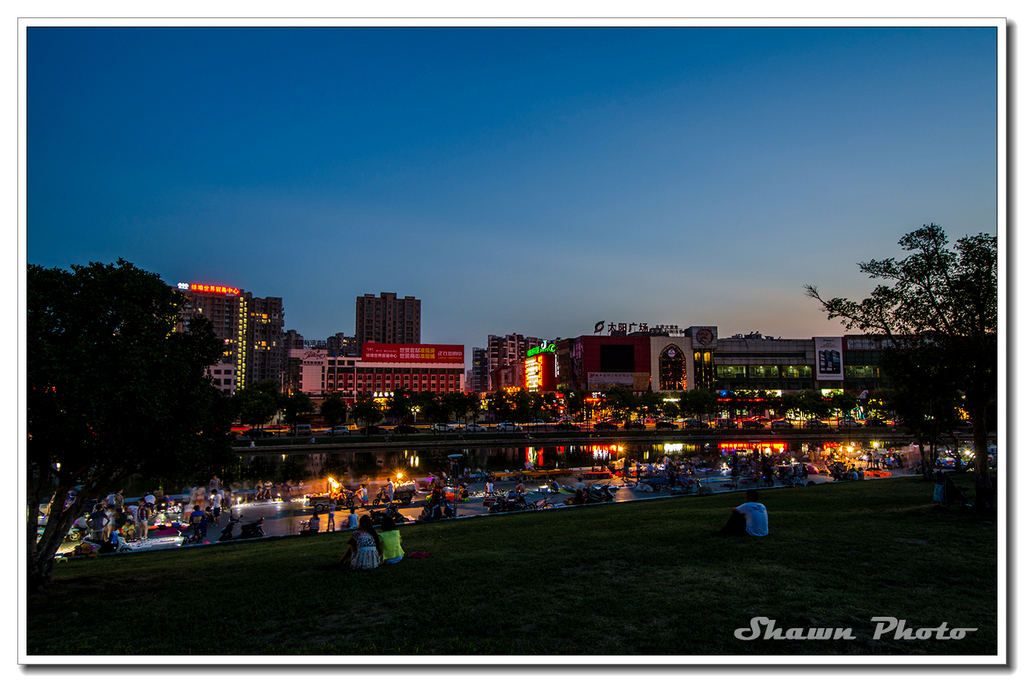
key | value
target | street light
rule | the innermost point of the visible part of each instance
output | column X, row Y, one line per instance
column 455, row 496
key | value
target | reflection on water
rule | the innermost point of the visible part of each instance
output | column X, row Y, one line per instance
column 354, row 466
column 350, row 467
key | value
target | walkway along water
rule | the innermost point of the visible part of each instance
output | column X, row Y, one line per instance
column 285, row 517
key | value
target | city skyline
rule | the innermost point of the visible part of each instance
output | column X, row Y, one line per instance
column 514, row 180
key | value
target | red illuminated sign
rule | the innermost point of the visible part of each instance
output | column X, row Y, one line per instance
column 412, row 352
column 209, row 289
column 540, row 373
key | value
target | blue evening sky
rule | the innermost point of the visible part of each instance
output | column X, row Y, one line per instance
column 534, row 181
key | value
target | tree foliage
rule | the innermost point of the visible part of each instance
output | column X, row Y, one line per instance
column 366, row 411
column 113, row 391
column 257, row 403
column 333, row 409
column 399, row 406
column 938, row 305
column 294, row 405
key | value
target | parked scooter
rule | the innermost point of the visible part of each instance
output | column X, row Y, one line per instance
column 225, row 534
column 511, row 502
column 433, row 511
column 252, row 530
column 389, row 511
column 194, row 536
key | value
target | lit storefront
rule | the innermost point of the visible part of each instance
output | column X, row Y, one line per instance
column 541, row 369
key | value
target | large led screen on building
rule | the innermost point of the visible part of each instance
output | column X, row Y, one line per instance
column 617, row 357
column 413, row 352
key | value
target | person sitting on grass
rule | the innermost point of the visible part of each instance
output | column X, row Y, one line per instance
column 363, row 547
column 353, row 520
column 750, row 518
column 390, row 541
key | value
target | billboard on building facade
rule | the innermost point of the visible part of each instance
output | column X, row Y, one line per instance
column 413, row 352
column 540, row 372
column 602, row 381
column 828, row 352
column 599, row 381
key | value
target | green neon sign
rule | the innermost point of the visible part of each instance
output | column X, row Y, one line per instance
column 549, row 348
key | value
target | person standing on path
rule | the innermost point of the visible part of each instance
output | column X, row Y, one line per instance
column 331, row 506
column 142, row 519
column 215, row 501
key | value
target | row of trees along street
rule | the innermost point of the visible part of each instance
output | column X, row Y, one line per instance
column 258, row 404
column 106, row 368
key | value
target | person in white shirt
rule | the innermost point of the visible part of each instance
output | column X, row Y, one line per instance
column 215, row 501
column 750, row 518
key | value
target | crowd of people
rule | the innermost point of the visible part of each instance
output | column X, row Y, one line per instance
column 113, row 520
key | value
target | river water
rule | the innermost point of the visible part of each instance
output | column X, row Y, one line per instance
column 352, row 466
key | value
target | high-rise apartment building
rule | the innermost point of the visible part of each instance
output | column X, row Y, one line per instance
column 504, row 352
column 339, row 344
column 251, row 327
column 266, row 339
column 477, row 380
column 387, row 319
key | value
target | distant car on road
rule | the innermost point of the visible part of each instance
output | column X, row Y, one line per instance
column 566, row 426
column 815, row 424
column 256, row 433
column 875, row 422
column 508, row 426
column 475, row 428
column 695, row 424
column 850, row 423
column 405, row 428
column 725, row 423
column 751, row 424
column 666, row 425
column 782, row 424
column 606, row 426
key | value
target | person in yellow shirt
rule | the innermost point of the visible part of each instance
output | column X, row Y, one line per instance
column 390, row 541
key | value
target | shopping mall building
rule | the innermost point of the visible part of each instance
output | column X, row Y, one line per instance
column 695, row 357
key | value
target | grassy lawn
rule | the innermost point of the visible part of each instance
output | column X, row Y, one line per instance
column 644, row 578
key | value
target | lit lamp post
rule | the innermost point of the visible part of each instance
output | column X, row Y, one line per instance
column 455, row 496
